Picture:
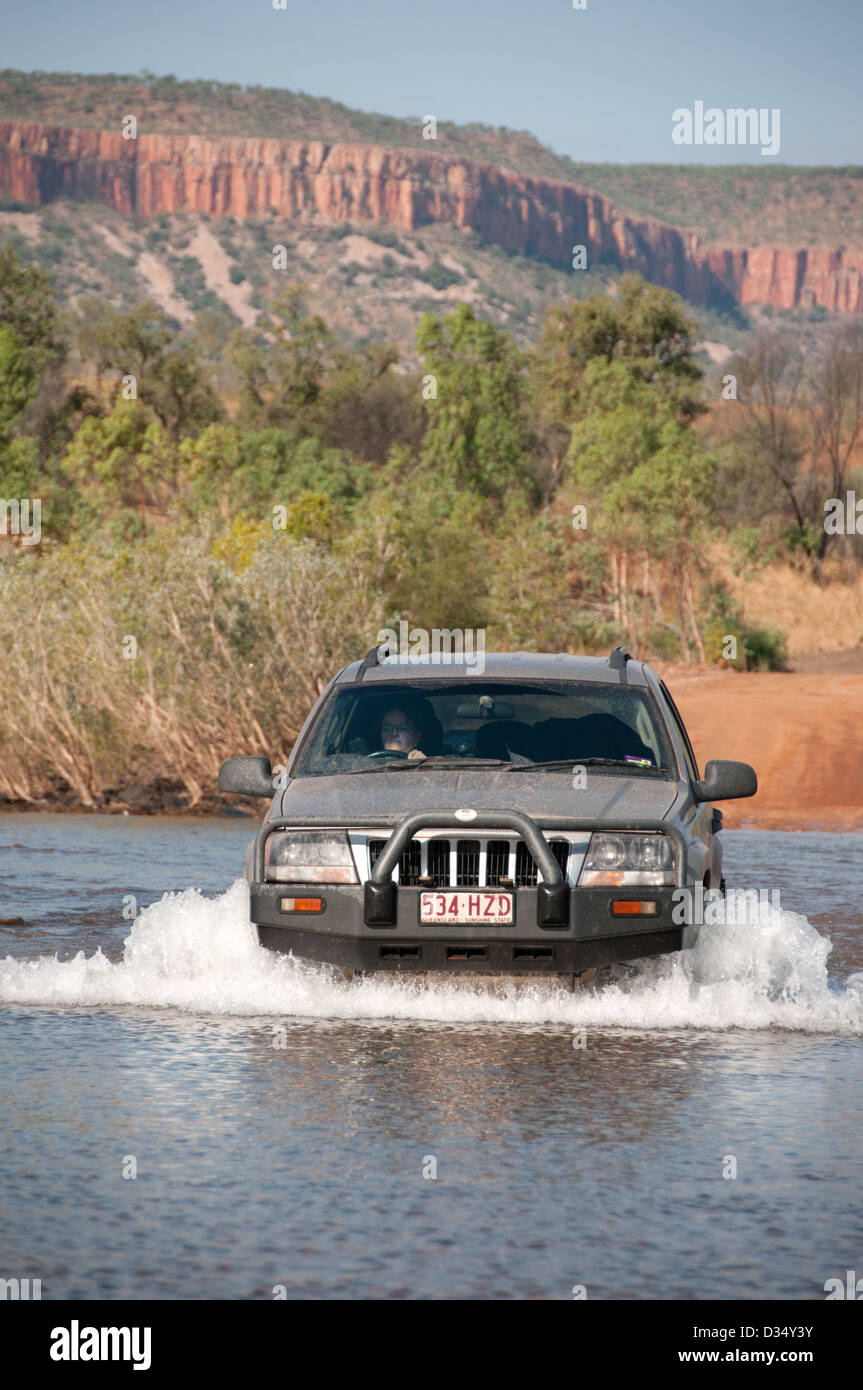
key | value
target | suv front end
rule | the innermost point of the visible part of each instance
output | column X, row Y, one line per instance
column 610, row 899
column 545, row 820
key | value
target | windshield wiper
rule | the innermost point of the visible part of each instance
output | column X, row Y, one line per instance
column 441, row 761
column 586, row 762
column 395, row 766
column 452, row 760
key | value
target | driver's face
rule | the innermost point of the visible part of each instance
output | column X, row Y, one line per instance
column 398, row 731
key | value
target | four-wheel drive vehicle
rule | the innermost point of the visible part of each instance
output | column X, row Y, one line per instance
column 537, row 816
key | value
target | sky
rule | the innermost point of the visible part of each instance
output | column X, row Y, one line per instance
column 599, row 83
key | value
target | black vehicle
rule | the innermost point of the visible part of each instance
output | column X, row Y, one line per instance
column 538, row 816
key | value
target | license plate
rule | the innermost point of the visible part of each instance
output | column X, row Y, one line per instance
column 471, row 909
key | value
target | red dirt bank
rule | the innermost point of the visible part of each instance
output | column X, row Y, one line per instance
column 802, row 732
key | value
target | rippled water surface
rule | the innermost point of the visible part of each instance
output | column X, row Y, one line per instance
column 281, row 1120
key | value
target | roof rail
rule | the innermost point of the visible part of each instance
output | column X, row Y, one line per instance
column 617, row 661
column 371, row 659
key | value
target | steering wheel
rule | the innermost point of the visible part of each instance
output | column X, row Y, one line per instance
column 387, row 753
column 465, row 749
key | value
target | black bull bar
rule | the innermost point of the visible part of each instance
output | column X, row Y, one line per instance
column 552, row 902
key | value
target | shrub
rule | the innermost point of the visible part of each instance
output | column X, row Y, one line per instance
column 382, row 237
column 765, row 649
column 757, row 649
column 664, row 644
column 438, row 276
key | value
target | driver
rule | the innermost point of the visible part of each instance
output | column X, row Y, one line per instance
column 400, row 733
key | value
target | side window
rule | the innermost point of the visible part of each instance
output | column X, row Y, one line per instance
column 691, row 764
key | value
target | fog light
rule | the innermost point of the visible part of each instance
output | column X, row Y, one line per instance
column 625, row 907
column 301, row 904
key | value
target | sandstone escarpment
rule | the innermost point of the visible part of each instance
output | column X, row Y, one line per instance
column 407, row 188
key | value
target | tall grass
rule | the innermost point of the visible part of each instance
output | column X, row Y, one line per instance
column 166, row 659
column 812, row 618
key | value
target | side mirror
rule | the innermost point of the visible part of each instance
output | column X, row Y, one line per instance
column 724, row 781
column 246, row 777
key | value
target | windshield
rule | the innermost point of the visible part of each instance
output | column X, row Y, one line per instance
column 365, row 728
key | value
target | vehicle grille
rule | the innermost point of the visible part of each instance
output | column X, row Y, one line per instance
column 457, row 863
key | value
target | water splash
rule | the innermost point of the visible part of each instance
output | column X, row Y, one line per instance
column 200, row 955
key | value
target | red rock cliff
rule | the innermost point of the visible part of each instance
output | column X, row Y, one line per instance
column 174, row 173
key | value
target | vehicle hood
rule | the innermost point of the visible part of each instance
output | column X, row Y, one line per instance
column 542, row 795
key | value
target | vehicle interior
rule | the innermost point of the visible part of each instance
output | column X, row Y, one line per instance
column 519, row 723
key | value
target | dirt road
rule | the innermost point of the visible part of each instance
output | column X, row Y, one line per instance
column 802, row 732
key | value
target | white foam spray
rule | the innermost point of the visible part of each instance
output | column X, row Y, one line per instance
column 199, row 955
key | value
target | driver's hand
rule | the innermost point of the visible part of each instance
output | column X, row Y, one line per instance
column 415, row 755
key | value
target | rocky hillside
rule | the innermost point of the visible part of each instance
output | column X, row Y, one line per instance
column 734, row 205
column 382, row 224
column 153, row 174
column 369, row 281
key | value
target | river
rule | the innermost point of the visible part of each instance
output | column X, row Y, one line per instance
column 185, row 1116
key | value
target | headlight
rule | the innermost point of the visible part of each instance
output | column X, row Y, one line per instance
column 625, row 860
column 309, row 856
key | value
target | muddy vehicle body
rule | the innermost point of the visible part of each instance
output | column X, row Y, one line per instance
column 544, row 820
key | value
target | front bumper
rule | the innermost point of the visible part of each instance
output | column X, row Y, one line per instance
column 591, row 937
column 557, row 928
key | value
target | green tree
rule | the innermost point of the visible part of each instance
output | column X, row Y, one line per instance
column 477, row 437
column 311, row 517
column 19, row 468
column 170, row 377
column 28, row 305
column 33, row 393
column 641, row 326
column 245, row 472
column 180, row 394
column 367, row 407
column 426, row 545
column 530, row 603
column 649, row 488
column 124, row 342
column 122, row 461
column 19, row 374
column 210, row 464
column 280, row 365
